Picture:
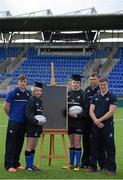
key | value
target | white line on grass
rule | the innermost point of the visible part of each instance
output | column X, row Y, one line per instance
column 3, row 125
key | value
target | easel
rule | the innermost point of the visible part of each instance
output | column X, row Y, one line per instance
column 52, row 133
column 51, row 153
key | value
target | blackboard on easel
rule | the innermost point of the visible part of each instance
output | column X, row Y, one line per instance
column 54, row 105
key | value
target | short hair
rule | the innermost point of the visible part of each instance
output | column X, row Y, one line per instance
column 94, row 74
column 22, row 77
column 103, row 79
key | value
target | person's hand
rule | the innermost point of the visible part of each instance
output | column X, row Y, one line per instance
column 73, row 115
column 98, row 123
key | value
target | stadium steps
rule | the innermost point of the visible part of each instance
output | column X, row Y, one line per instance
column 108, row 66
column 16, row 62
column 100, row 65
column 110, row 63
column 4, row 84
column 9, row 66
column 94, row 66
column 10, row 63
column 4, row 65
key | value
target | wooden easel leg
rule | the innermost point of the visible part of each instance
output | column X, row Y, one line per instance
column 40, row 151
column 52, row 151
column 65, row 152
column 51, row 148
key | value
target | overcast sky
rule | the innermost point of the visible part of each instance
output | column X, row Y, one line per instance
column 17, row 7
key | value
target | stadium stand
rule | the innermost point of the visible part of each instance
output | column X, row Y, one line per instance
column 116, row 76
column 76, row 40
column 9, row 52
column 37, row 68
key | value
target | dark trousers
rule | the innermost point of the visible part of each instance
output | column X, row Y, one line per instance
column 14, row 143
column 102, row 158
column 106, row 135
column 86, row 141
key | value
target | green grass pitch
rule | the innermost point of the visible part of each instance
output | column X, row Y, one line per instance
column 55, row 171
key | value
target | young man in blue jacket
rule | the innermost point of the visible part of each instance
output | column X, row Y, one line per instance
column 14, row 107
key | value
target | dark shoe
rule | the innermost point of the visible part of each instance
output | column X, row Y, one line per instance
column 29, row 169
column 84, row 165
column 102, row 170
column 90, row 170
column 34, row 168
column 111, row 173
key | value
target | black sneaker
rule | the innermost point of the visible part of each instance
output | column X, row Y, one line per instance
column 84, row 165
column 111, row 173
column 34, row 168
column 90, row 170
column 102, row 170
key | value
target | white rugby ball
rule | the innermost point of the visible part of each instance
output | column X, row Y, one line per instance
column 42, row 119
column 75, row 109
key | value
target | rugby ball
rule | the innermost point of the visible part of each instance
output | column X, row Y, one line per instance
column 75, row 109
column 42, row 119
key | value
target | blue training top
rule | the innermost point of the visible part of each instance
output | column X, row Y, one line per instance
column 17, row 98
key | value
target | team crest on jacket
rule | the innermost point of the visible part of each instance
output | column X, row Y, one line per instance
column 98, row 91
column 107, row 99
column 11, row 131
column 18, row 94
column 110, row 135
column 78, row 97
column 36, row 134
